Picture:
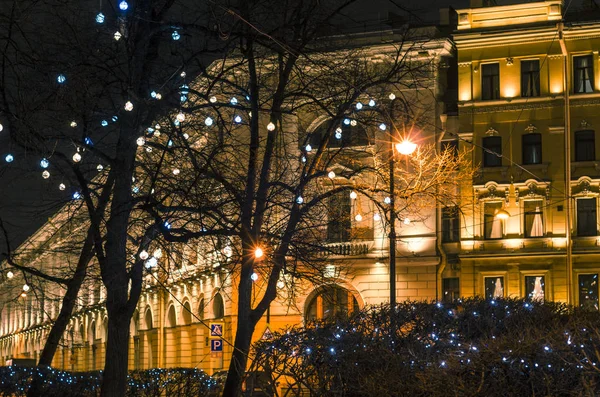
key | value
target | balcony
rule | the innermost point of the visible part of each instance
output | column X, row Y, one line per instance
column 349, row 248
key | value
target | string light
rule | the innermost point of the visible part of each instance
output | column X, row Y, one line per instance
column 117, row 36
column 143, row 255
column 61, row 186
column 271, row 126
column 128, row 106
column 372, row 103
column 180, row 117
column 123, row 5
column 208, row 121
column 100, row 18
column 175, row 35
column 331, row 174
column 77, row 157
column 44, row 163
column 141, row 141
column 353, row 195
column 392, row 96
column 46, row 174
column 99, row 167
column 61, row 79
column 104, row 123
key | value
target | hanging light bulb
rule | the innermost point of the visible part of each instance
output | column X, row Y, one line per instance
column 347, row 121
column 123, row 5
column 331, row 174
column 270, row 126
column 233, row 101
column 76, row 196
column 141, row 141
column 308, row 148
column 237, row 119
column 358, row 218
column 175, row 35
column 128, row 106
column 372, row 103
column 100, row 18
column 180, row 117
column 186, row 136
column 46, row 174
column 104, row 123
column 377, row 217
column 44, row 163
column 61, row 78
column 73, row 124
column 382, row 126
column 9, row 274
column 9, row 158
column 338, row 133
column 254, row 277
column 62, row 186
column 143, row 255
column 208, row 121
column 77, row 157
column 157, row 253
column 26, row 287
column 353, row 195
column 213, row 99
column 117, row 36
column 353, row 123
column 100, row 167
column 176, row 171
column 406, row 221
column 392, row 96
column 158, row 96
column 387, row 200
column 299, row 199
column 359, row 106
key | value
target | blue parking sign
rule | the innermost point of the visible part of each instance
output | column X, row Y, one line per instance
column 216, row 345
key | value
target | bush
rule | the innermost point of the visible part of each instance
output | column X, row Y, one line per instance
column 15, row 381
column 471, row 348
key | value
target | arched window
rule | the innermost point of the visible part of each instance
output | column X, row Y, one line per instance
column 171, row 319
column 148, row 319
column 218, row 306
column 201, row 307
column 331, row 301
column 186, row 313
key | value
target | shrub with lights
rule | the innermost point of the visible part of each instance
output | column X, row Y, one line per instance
column 474, row 347
column 15, row 381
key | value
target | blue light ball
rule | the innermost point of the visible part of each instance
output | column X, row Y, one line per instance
column 61, row 78
column 44, row 163
column 9, row 158
column 100, row 18
column 123, row 5
column 175, row 35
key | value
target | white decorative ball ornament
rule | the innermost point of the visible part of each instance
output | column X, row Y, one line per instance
column 46, row 174
column 181, row 117
column 128, row 106
column 77, row 157
column 331, row 174
column 62, row 186
column 141, row 141
column 143, row 255
column 208, row 121
column 353, row 195
column 270, row 126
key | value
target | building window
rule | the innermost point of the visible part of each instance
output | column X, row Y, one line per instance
column 490, row 81
column 339, row 218
column 493, row 227
column 494, row 287
column 534, row 218
column 583, row 78
column 530, row 78
column 348, row 133
column 218, row 306
column 450, row 225
column 492, row 151
column 532, row 148
column 451, row 147
column 586, row 217
column 588, row 291
column 332, row 301
column 535, row 288
column 450, row 289
column 585, row 145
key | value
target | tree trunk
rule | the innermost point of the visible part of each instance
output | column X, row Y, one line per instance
column 114, row 381
column 61, row 322
column 245, row 329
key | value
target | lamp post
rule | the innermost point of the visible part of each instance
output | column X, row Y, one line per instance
column 406, row 148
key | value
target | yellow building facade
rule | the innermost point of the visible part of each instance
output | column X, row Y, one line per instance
column 528, row 106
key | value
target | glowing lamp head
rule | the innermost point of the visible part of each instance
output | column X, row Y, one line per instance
column 406, row 147
column 502, row 214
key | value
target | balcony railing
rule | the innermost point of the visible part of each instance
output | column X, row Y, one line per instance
column 349, row 248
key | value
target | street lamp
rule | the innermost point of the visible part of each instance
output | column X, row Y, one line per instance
column 406, row 147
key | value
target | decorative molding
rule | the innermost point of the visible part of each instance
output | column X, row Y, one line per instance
column 464, row 64
column 584, row 124
column 509, row 61
column 530, row 129
column 491, row 132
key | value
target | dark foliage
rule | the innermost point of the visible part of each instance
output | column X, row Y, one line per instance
column 470, row 348
column 15, row 380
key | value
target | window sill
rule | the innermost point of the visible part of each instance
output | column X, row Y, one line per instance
column 543, row 167
column 585, row 164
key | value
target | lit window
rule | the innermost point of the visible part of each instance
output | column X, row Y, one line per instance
column 492, row 151
column 530, row 78
column 586, row 217
column 585, row 142
column 583, row 74
column 490, row 81
column 535, row 288
column 532, row 148
column 534, row 218
column 331, row 301
column 588, row 291
column 494, row 287
column 450, row 289
column 493, row 227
